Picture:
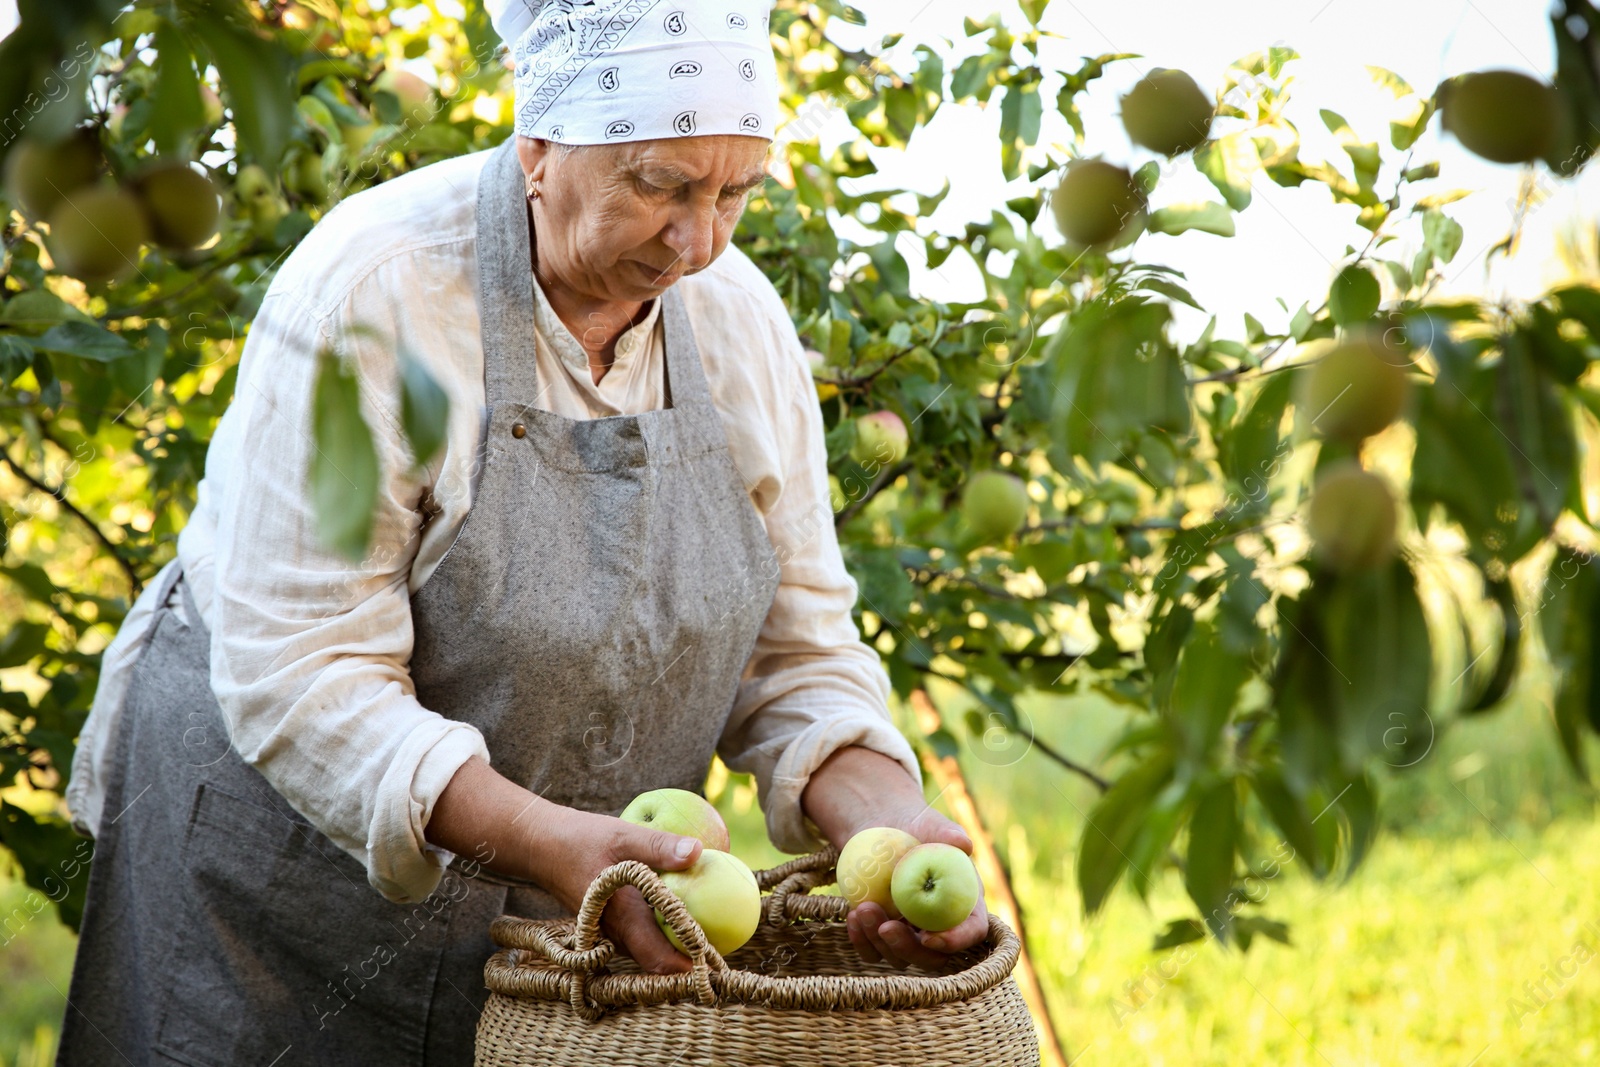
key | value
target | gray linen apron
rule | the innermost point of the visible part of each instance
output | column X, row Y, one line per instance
column 593, row 619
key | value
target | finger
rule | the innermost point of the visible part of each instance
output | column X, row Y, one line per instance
column 656, row 849
column 973, row 929
column 859, row 939
column 905, row 947
column 872, row 918
column 634, row 921
column 948, row 832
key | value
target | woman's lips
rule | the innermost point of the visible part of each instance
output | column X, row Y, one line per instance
column 656, row 277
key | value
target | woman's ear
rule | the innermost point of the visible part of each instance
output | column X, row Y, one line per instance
column 534, row 153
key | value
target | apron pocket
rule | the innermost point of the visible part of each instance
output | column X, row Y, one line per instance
column 285, row 954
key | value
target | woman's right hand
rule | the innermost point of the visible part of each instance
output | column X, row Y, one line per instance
column 577, row 845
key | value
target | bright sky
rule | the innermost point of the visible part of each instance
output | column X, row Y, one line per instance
column 1289, row 241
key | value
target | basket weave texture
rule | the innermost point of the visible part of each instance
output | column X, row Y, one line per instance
column 797, row 994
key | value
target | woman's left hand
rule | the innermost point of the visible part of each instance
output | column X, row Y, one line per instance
column 878, row 937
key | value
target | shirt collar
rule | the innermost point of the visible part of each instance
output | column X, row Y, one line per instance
column 630, row 343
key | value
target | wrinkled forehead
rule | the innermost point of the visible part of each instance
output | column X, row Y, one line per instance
column 722, row 159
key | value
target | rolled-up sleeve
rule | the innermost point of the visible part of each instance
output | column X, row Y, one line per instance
column 310, row 652
column 812, row 686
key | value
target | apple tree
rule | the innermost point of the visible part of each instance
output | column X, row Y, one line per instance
column 1291, row 555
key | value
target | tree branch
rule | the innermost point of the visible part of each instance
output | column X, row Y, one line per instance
column 885, row 476
column 61, row 498
column 1047, row 750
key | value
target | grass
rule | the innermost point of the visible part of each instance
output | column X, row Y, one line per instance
column 1477, row 893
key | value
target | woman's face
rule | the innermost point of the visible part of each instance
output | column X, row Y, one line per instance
column 623, row 222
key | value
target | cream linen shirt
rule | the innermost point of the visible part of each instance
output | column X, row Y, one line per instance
column 310, row 654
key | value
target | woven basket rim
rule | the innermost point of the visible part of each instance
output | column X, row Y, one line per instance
column 565, row 959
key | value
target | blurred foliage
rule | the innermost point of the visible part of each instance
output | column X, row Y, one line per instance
column 1163, row 563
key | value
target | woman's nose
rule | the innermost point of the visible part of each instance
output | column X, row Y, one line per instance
column 691, row 235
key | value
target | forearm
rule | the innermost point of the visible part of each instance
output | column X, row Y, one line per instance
column 485, row 817
column 855, row 788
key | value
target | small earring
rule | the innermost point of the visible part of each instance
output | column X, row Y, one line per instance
column 532, row 189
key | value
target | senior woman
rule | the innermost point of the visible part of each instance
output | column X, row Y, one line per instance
column 312, row 784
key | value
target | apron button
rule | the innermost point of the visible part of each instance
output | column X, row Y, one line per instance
column 518, row 430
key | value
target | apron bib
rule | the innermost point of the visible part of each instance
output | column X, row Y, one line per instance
column 593, row 619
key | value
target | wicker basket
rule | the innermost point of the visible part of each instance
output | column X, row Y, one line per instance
column 797, row 993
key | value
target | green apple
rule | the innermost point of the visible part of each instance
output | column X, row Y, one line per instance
column 722, row 896
column 39, row 176
column 1095, row 202
column 935, row 886
column 181, row 204
column 95, row 233
column 1167, row 112
column 867, row 862
column 679, row 811
column 995, row 504
column 880, row 438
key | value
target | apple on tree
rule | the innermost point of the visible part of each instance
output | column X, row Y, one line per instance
column 995, row 504
column 881, row 438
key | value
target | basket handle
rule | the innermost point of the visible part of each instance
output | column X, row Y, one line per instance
column 791, row 884
column 589, row 950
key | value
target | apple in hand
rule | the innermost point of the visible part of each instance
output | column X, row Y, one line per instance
column 866, row 864
column 722, row 896
column 679, row 811
column 935, row 886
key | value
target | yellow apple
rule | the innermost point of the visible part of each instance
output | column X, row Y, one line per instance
column 866, row 864
column 679, row 811
column 722, row 896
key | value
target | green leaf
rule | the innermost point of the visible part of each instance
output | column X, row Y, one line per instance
column 1208, row 872
column 1569, row 622
column 1462, row 459
column 176, row 96
column 1179, row 932
column 1363, row 155
column 1354, row 297
column 1246, row 926
column 1207, row 216
column 344, row 469
column 21, row 642
column 1171, row 290
column 1203, row 692
column 1289, row 814
column 1538, row 419
column 1253, row 452
column 1390, row 81
column 86, row 341
column 38, row 309
column 1111, row 826
column 257, row 82
column 1020, row 112
column 424, row 409
column 1033, row 10
column 1359, row 807
column 1441, row 234
column 1231, row 163
column 32, row 580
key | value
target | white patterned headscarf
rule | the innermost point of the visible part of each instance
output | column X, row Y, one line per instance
column 599, row 71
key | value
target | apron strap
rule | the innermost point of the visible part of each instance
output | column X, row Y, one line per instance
column 505, row 296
